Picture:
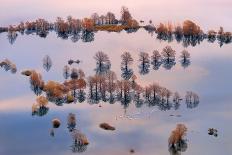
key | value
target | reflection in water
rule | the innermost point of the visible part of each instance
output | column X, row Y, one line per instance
column 105, row 86
column 47, row 63
column 192, row 99
column 189, row 32
column 176, row 141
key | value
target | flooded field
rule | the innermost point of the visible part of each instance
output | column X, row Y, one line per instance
column 115, row 92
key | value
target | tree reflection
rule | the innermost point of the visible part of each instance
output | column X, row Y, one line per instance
column 47, row 63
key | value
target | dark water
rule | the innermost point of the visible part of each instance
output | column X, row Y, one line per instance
column 145, row 129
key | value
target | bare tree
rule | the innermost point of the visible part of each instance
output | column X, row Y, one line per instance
column 127, row 60
column 95, row 18
column 102, row 62
column 125, row 15
column 185, row 58
column 144, row 62
column 156, row 60
column 110, row 18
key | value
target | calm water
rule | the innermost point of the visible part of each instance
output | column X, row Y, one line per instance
column 209, row 75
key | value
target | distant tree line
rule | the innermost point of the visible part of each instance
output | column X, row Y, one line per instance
column 189, row 33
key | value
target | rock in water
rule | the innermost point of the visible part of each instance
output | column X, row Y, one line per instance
column 56, row 123
column 106, row 126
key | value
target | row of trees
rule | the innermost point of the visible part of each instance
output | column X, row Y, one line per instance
column 191, row 34
column 72, row 27
column 166, row 57
column 104, row 87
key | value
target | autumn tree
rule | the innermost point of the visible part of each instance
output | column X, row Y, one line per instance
column 176, row 140
column 37, row 83
column 111, row 83
column 191, row 29
column 87, row 24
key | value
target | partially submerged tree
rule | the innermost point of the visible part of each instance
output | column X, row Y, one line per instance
column 156, row 60
column 176, row 141
column 185, row 58
column 103, row 64
column 168, row 57
column 144, row 63
column 127, row 60
column 192, row 99
column 37, row 83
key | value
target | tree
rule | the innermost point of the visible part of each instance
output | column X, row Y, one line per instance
column 144, row 62
column 110, row 17
column 87, row 24
column 95, row 18
column 191, row 29
column 176, row 140
column 111, row 82
column 102, row 19
column 156, row 60
column 37, row 83
column 127, row 60
column 125, row 15
column 168, row 53
column 102, row 62
column 155, row 90
column 185, row 56
column 42, row 101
